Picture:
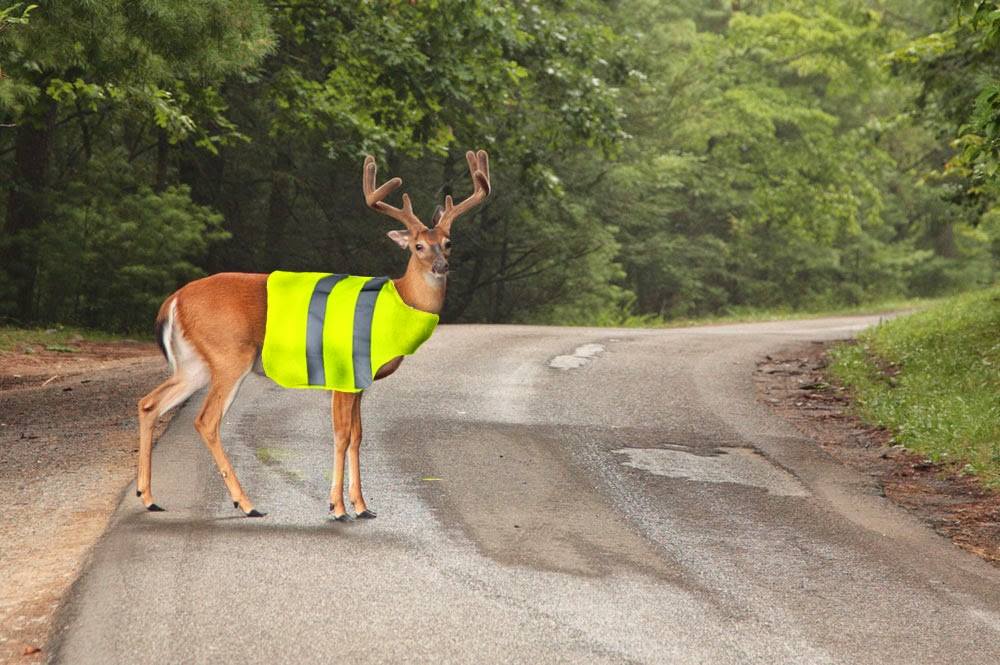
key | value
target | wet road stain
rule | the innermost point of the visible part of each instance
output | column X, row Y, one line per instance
column 742, row 466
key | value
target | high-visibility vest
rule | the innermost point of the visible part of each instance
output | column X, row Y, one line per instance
column 333, row 332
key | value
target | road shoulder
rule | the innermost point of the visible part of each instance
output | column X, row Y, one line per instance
column 794, row 384
column 68, row 441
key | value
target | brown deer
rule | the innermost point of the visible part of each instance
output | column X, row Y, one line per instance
column 212, row 331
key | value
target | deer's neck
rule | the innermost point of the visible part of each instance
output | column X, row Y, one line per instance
column 420, row 288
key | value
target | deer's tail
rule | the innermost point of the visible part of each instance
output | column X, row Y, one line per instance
column 164, row 330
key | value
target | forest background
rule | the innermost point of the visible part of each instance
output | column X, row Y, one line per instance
column 650, row 160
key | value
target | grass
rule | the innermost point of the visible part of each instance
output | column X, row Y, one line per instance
column 933, row 378
column 56, row 338
column 751, row 315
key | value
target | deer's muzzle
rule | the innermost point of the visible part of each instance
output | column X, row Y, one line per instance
column 440, row 266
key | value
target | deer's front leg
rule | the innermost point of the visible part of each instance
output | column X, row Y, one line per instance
column 342, row 410
column 354, row 458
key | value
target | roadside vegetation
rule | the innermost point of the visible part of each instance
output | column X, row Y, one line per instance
column 760, row 314
column 62, row 339
column 933, row 378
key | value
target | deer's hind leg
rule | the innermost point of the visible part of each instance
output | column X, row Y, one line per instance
column 164, row 397
column 226, row 380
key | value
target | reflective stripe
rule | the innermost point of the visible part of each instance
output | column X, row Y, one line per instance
column 314, row 329
column 362, row 347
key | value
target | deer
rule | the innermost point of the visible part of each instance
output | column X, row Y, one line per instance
column 212, row 330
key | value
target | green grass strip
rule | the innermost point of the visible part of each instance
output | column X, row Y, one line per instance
column 56, row 338
column 933, row 378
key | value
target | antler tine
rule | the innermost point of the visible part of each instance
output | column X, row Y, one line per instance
column 374, row 197
column 479, row 169
column 484, row 166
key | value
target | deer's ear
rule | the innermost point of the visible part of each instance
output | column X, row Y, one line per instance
column 401, row 238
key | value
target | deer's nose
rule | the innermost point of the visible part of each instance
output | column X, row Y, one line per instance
column 439, row 267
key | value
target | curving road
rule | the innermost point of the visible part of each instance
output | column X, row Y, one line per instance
column 544, row 495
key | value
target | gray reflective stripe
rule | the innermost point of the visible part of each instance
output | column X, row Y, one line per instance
column 362, row 348
column 314, row 328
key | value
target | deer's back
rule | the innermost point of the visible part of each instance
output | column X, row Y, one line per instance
column 223, row 313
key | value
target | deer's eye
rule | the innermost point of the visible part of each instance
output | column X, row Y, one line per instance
column 420, row 247
column 447, row 244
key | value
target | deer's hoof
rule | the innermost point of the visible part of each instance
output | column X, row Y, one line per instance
column 255, row 513
column 153, row 508
column 366, row 515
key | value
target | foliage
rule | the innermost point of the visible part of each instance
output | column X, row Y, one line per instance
column 959, row 68
column 517, row 79
column 932, row 378
column 89, row 89
column 770, row 170
column 111, row 246
column 650, row 160
column 93, row 54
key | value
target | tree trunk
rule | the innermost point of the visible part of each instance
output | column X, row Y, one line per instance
column 944, row 240
column 204, row 174
column 499, row 300
column 26, row 207
column 278, row 210
column 162, row 156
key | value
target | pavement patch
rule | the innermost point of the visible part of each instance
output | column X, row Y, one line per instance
column 742, row 466
column 581, row 356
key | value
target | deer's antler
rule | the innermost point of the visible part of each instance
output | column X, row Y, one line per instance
column 479, row 168
column 374, row 198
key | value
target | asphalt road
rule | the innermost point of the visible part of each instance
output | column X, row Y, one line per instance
column 544, row 495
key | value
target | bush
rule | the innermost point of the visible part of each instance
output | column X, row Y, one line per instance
column 113, row 249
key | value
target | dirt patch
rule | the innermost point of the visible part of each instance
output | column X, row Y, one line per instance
column 34, row 365
column 68, row 440
column 796, row 385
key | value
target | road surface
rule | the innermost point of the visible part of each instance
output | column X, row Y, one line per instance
column 544, row 495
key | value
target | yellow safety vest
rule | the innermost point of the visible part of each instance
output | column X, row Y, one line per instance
column 333, row 332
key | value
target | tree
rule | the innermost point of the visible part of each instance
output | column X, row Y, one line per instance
column 78, row 64
column 953, row 59
column 650, row 159
column 774, row 164
column 418, row 84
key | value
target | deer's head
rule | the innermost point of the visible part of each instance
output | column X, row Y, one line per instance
column 428, row 246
